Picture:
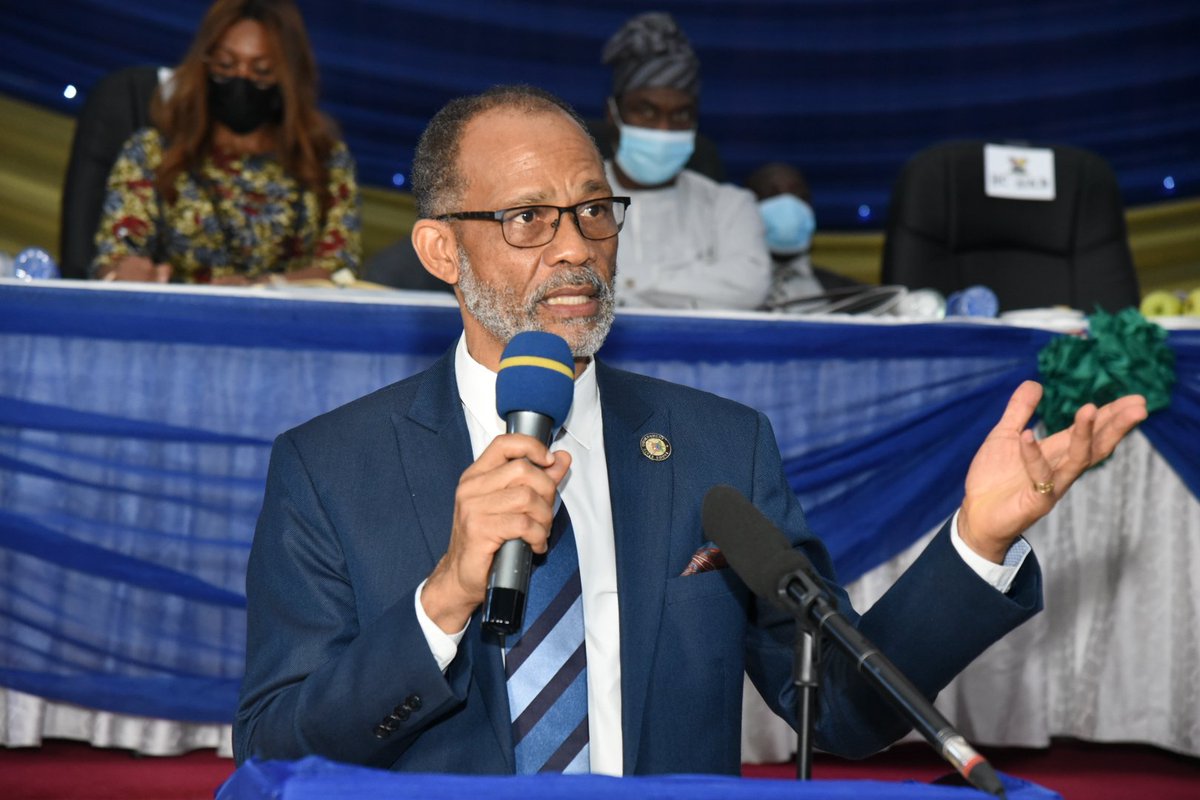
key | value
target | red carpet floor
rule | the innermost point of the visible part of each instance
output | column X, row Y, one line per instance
column 1079, row 771
column 61, row 770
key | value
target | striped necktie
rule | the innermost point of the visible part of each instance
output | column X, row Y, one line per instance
column 546, row 664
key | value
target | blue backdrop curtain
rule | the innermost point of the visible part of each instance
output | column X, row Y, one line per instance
column 135, row 429
column 845, row 89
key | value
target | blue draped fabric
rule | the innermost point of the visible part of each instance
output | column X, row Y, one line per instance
column 316, row 778
column 1176, row 433
column 135, row 428
column 845, row 89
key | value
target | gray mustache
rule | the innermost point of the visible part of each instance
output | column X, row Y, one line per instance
column 575, row 276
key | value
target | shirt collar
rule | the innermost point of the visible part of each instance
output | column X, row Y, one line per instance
column 477, row 388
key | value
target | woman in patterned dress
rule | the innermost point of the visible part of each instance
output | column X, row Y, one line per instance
column 242, row 179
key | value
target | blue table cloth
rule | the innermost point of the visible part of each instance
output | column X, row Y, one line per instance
column 320, row 779
column 135, row 426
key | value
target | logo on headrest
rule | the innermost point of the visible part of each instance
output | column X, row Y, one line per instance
column 1018, row 173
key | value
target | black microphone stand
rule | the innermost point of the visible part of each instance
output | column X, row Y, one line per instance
column 806, row 671
column 804, row 595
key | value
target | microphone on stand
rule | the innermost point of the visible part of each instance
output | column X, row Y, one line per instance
column 762, row 557
column 534, row 389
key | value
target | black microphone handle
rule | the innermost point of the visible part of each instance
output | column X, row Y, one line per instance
column 878, row 670
column 508, row 582
column 531, row 423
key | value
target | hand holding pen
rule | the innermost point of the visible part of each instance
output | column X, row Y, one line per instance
column 135, row 267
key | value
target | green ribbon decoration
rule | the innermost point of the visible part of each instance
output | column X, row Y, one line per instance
column 1122, row 354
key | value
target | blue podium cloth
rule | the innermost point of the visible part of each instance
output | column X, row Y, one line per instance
column 320, row 779
column 135, row 427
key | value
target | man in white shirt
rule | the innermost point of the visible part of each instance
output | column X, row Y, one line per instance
column 688, row 241
column 381, row 518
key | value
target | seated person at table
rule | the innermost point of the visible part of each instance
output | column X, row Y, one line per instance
column 785, row 203
column 688, row 241
column 381, row 518
column 242, row 178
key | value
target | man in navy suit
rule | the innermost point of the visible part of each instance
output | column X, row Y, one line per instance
column 381, row 518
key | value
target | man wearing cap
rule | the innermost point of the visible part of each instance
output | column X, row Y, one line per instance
column 688, row 241
column 381, row 519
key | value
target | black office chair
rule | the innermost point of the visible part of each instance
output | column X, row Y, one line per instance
column 399, row 266
column 117, row 105
column 944, row 232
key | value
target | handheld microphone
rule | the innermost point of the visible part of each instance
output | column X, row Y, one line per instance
column 534, row 389
column 762, row 557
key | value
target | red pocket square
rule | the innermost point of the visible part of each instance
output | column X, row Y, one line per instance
column 706, row 559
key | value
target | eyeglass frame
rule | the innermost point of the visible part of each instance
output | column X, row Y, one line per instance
column 498, row 216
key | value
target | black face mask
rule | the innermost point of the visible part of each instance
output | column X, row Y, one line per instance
column 243, row 107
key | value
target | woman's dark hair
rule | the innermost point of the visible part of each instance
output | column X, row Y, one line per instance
column 305, row 137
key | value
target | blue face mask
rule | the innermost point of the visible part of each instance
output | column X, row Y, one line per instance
column 651, row 156
column 790, row 224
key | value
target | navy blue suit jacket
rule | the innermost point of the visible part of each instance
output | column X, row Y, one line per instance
column 358, row 510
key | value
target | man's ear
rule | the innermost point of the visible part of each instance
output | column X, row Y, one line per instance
column 437, row 248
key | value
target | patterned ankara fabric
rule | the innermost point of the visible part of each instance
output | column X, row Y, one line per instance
column 240, row 215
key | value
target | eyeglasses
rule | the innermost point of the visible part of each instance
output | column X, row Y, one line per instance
column 224, row 68
column 534, row 226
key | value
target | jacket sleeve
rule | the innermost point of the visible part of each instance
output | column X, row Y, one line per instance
column 129, row 220
column 318, row 680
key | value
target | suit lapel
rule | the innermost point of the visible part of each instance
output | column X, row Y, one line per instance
column 641, row 491
column 435, row 449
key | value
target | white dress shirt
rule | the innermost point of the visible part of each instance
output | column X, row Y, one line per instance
column 694, row 244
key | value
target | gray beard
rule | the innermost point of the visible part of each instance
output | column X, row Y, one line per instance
column 504, row 314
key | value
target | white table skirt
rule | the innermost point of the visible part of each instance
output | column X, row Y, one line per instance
column 25, row 720
column 1114, row 657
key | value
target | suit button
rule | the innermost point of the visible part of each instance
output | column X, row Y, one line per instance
column 381, row 732
column 402, row 712
column 391, row 722
column 413, row 702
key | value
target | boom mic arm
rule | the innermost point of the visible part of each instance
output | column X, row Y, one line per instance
column 762, row 556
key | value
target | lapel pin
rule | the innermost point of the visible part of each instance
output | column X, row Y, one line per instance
column 656, row 447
